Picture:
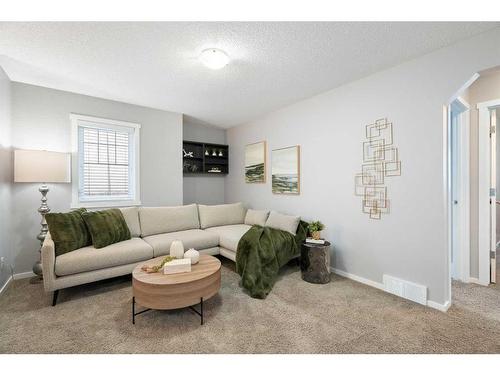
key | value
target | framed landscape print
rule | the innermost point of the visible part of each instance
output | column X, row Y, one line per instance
column 255, row 162
column 286, row 170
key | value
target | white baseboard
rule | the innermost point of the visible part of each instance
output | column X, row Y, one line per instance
column 359, row 279
column 23, row 275
column 4, row 287
column 441, row 307
column 477, row 281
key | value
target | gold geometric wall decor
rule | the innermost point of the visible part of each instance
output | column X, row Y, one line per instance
column 380, row 160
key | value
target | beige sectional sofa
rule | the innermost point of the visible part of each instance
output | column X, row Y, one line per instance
column 208, row 229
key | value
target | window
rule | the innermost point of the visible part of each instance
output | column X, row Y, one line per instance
column 105, row 162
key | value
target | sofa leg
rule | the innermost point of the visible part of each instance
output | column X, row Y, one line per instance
column 54, row 297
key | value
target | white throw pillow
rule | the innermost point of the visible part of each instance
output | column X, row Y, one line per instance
column 221, row 214
column 131, row 216
column 256, row 217
column 287, row 223
column 156, row 220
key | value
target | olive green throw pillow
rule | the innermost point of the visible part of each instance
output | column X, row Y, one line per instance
column 68, row 231
column 106, row 227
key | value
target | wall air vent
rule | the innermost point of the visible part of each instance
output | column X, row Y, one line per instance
column 406, row 289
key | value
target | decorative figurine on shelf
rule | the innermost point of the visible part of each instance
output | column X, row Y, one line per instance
column 207, row 153
column 220, row 153
column 214, row 153
column 188, row 154
column 315, row 228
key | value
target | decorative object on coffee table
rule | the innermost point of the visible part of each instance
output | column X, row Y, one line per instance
column 177, row 249
column 315, row 262
column 42, row 167
column 167, row 292
column 193, row 255
column 177, row 266
column 155, row 268
column 315, row 229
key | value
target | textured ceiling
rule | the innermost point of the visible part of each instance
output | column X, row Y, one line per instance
column 155, row 64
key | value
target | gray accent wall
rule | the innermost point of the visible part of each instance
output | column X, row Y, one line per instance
column 5, row 176
column 204, row 189
column 411, row 241
column 40, row 120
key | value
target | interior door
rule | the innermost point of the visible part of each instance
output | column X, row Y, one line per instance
column 455, row 190
column 458, row 113
column 493, row 184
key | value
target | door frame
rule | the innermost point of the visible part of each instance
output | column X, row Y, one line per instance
column 462, row 224
column 484, row 175
column 447, row 179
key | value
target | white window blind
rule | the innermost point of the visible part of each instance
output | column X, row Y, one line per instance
column 107, row 161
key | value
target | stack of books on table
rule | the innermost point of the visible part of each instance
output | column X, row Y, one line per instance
column 311, row 240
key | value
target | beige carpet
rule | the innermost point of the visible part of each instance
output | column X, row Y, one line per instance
column 297, row 317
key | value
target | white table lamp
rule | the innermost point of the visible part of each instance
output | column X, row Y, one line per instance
column 42, row 167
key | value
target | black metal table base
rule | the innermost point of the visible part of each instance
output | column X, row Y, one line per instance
column 134, row 314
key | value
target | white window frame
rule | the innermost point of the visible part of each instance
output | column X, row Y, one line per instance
column 104, row 123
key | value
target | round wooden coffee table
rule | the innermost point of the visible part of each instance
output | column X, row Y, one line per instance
column 166, row 292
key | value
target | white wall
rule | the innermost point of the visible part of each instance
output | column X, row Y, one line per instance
column 40, row 119
column 5, row 175
column 485, row 88
column 203, row 189
column 410, row 242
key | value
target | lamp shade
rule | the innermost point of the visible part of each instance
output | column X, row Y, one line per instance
column 42, row 166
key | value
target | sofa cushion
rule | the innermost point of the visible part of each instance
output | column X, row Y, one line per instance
column 222, row 214
column 155, row 220
column 68, row 231
column 192, row 238
column 106, row 227
column 256, row 217
column 131, row 216
column 287, row 223
column 89, row 259
column 229, row 235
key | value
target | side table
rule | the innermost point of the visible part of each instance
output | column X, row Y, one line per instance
column 315, row 262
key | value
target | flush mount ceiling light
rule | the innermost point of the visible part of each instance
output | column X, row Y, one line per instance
column 214, row 58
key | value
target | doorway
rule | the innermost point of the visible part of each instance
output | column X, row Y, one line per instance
column 489, row 198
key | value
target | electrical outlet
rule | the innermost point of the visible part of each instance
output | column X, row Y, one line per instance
column 2, row 263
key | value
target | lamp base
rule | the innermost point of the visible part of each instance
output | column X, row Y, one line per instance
column 37, row 268
column 43, row 210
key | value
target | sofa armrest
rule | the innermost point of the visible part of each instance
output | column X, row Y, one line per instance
column 49, row 263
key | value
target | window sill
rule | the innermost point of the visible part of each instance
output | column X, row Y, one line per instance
column 105, row 204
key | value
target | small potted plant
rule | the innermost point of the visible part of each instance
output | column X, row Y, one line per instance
column 315, row 229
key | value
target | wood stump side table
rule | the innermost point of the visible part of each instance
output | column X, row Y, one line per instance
column 315, row 262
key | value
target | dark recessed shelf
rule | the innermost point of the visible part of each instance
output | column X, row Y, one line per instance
column 203, row 164
column 219, row 162
column 189, row 158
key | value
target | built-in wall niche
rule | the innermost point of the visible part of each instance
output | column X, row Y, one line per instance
column 206, row 158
